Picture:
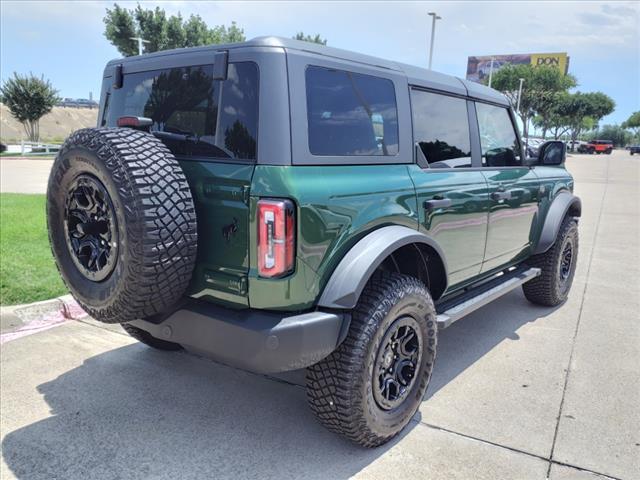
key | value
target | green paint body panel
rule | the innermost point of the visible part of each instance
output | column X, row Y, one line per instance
column 221, row 194
column 511, row 222
column 338, row 205
column 460, row 229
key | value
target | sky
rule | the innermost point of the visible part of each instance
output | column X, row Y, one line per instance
column 64, row 41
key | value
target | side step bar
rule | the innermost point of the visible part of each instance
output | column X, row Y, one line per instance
column 485, row 293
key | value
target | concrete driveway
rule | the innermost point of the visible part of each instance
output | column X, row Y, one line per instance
column 519, row 391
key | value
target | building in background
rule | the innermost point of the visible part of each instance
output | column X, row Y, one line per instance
column 478, row 68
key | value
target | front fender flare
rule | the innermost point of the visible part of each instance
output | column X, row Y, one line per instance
column 557, row 211
column 353, row 272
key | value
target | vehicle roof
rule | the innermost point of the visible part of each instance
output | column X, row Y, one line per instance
column 415, row 75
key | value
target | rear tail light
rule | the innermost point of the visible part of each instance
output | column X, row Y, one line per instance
column 276, row 237
column 134, row 122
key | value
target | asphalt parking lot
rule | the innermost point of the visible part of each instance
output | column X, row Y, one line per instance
column 519, row 391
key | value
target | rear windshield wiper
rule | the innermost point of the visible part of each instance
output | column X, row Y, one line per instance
column 194, row 139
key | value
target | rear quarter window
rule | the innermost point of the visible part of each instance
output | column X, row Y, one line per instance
column 350, row 114
column 194, row 115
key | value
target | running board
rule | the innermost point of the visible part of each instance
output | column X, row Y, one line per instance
column 484, row 294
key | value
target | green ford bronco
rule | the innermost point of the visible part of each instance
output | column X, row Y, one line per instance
column 279, row 205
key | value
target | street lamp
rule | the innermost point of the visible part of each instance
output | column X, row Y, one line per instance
column 140, row 42
column 434, row 17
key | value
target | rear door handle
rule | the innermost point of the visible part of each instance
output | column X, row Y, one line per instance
column 436, row 203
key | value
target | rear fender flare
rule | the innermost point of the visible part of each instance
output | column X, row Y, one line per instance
column 561, row 205
column 354, row 271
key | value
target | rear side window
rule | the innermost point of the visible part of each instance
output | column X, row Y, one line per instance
column 192, row 114
column 441, row 129
column 350, row 113
column 498, row 138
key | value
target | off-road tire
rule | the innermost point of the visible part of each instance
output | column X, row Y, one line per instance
column 339, row 388
column 155, row 222
column 150, row 340
column 549, row 289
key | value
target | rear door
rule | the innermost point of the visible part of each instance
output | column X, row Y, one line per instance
column 211, row 127
column 452, row 195
column 513, row 188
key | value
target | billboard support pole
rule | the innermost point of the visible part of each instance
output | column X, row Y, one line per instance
column 491, row 72
column 433, row 34
column 519, row 94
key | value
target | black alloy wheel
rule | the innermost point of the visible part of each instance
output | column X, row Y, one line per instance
column 397, row 362
column 91, row 228
column 565, row 262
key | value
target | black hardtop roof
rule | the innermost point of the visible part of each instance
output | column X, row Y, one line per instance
column 415, row 75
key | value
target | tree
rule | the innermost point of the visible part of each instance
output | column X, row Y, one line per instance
column 29, row 98
column 633, row 123
column 541, row 87
column 616, row 133
column 162, row 32
column 578, row 110
column 309, row 38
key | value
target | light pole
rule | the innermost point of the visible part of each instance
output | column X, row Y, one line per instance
column 519, row 94
column 434, row 17
column 140, row 42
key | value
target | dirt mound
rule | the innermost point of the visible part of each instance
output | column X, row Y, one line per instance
column 55, row 126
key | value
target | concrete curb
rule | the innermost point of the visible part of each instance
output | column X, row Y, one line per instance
column 17, row 321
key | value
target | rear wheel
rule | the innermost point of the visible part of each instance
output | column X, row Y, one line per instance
column 558, row 267
column 372, row 385
column 122, row 223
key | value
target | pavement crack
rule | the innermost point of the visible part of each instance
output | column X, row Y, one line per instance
column 515, row 450
column 575, row 333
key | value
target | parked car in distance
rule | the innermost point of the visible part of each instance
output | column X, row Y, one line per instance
column 575, row 146
column 633, row 149
column 78, row 103
column 599, row 146
column 280, row 205
column 533, row 145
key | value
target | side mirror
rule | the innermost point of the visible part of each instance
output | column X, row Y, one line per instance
column 553, row 152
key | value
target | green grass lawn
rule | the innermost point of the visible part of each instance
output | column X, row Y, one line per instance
column 27, row 270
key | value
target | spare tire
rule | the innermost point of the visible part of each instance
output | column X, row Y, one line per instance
column 122, row 223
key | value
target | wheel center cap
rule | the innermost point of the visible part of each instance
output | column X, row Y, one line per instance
column 388, row 358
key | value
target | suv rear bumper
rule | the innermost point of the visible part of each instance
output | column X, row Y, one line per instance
column 256, row 340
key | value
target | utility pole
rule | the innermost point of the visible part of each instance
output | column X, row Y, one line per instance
column 140, row 42
column 519, row 94
column 434, row 17
column 490, row 72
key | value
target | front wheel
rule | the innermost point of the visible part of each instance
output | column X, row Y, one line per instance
column 372, row 385
column 558, row 267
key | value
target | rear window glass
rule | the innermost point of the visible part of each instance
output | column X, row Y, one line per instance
column 192, row 114
column 350, row 113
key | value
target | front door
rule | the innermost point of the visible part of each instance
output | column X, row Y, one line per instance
column 513, row 189
column 452, row 197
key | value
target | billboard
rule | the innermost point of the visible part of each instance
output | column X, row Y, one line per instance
column 478, row 68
